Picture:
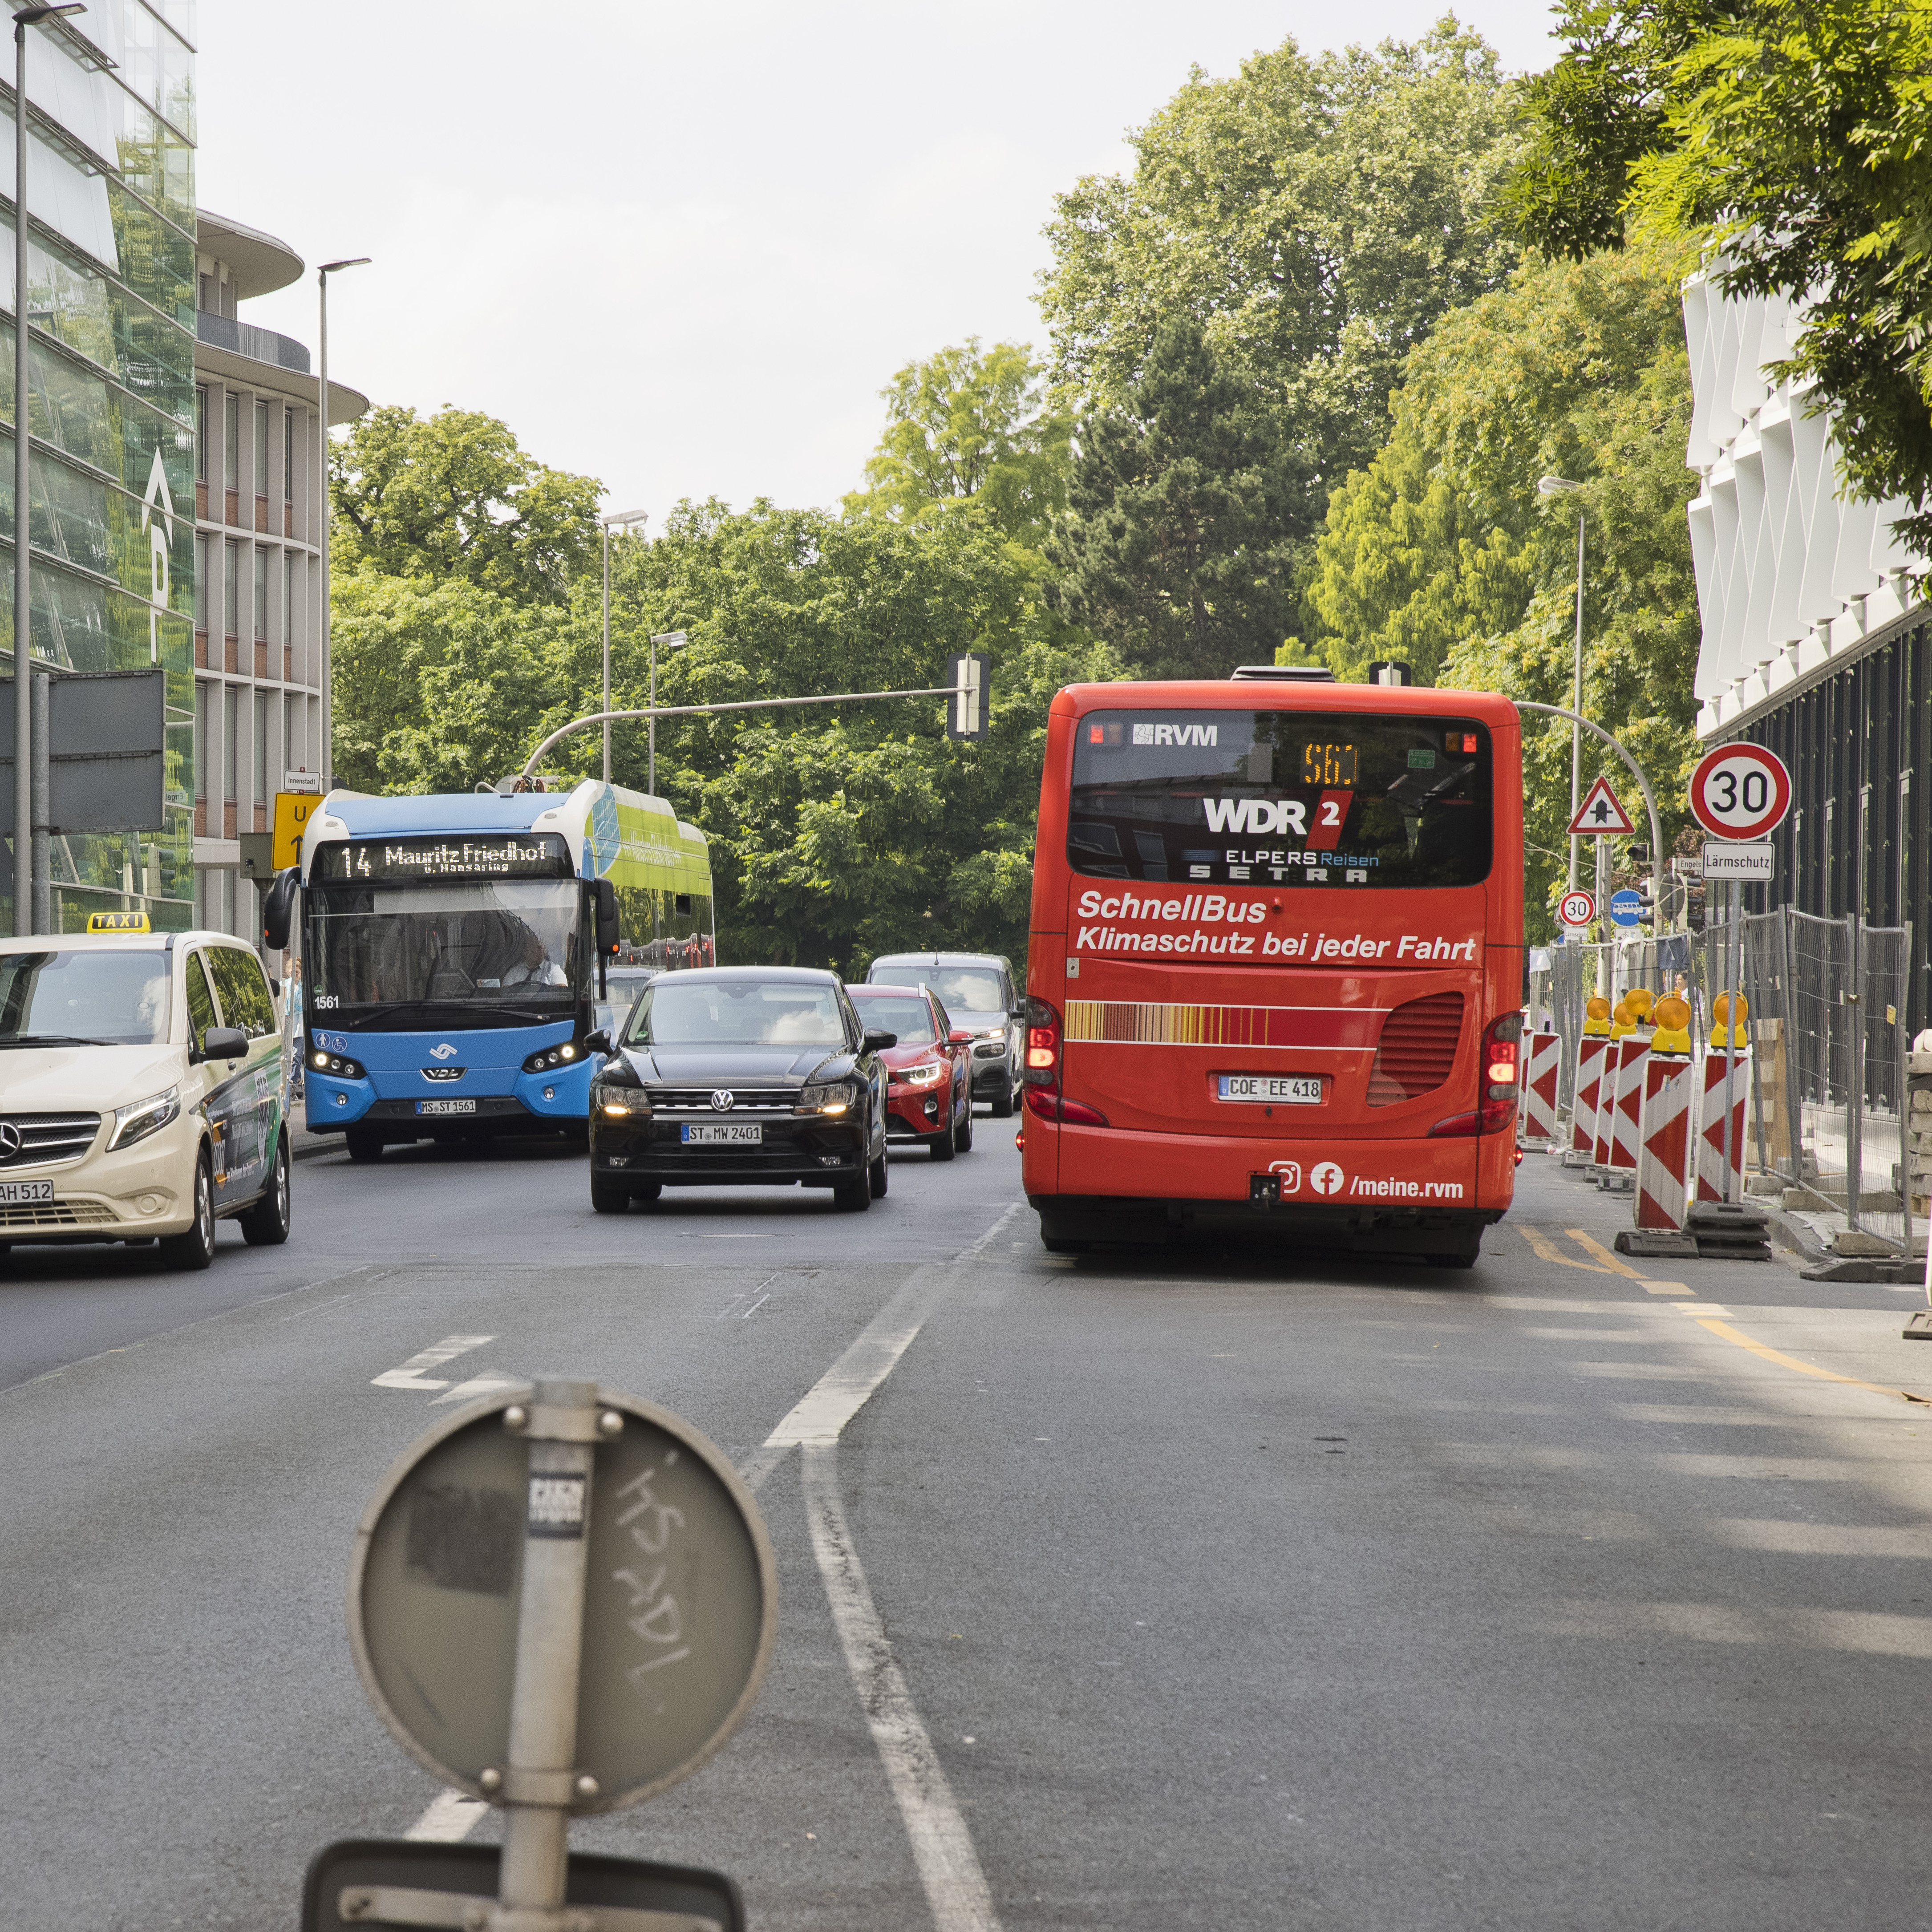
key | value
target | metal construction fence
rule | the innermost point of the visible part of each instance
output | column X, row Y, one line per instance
column 1828, row 1111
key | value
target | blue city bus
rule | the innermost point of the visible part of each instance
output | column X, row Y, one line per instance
column 455, row 946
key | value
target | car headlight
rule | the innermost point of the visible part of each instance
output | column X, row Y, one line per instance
column 923, row 1075
column 835, row 1097
column 144, row 1118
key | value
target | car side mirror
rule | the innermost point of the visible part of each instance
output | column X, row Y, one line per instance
column 877, row 1042
column 598, row 1041
column 220, row 1043
column 959, row 1037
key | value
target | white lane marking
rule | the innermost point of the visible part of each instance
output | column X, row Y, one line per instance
column 448, row 1816
column 980, row 1246
column 942, row 1848
column 488, row 1383
column 410, row 1375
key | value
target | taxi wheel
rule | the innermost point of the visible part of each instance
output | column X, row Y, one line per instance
column 196, row 1248
column 266, row 1224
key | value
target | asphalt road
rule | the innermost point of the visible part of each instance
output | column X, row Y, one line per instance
column 1231, row 1589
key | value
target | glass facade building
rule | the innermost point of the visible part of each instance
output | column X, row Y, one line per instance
column 111, row 401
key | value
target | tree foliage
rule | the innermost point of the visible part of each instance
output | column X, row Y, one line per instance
column 967, row 425
column 1793, row 140
column 453, row 495
column 1314, row 215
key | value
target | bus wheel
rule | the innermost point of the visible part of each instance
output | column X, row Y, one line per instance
column 363, row 1144
column 1456, row 1257
column 608, row 1197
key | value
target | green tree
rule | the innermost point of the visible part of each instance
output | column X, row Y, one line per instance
column 453, row 495
column 970, row 425
column 1314, row 215
column 1171, row 547
column 1791, row 139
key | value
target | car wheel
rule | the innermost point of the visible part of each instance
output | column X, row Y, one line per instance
column 363, row 1144
column 962, row 1135
column 266, row 1225
column 645, row 1190
column 194, row 1248
column 1002, row 1103
column 876, row 1177
column 852, row 1197
column 608, row 1197
column 941, row 1144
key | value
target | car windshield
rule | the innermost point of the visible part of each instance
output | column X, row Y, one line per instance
column 676, row 1011
column 117, row 998
column 972, row 989
column 506, row 943
column 903, row 1013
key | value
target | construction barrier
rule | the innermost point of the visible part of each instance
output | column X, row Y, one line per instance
column 1591, row 1052
column 1710, row 1125
column 1663, row 1140
column 1626, row 1103
column 1539, row 1122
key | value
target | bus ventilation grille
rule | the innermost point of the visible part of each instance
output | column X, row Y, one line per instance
column 1417, row 1048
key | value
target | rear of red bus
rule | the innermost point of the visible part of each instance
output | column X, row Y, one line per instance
column 1275, row 974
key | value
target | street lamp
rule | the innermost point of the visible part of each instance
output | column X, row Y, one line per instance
column 26, row 873
column 322, row 274
column 1562, row 486
column 672, row 640
column 623, row 518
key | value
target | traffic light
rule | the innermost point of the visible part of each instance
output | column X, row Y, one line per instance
column 969, row 710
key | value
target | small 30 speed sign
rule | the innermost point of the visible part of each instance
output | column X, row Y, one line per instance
column 1576, row 908
column 1740, row 791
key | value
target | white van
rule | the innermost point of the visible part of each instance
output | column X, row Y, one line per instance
column 143, row 1090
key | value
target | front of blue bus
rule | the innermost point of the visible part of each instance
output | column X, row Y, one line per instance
column 449, row 965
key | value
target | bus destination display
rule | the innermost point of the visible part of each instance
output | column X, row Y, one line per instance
column 522, row 855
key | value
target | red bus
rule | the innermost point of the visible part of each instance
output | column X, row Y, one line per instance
column 1276, row 970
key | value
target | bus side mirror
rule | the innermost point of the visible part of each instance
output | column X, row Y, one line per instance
column 278, row 910
column 607, row 916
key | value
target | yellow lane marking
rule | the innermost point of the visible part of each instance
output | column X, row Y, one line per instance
column 1615, row 1263
column 1667, row 1288
column 1743, row 1341
column 1547, row 1250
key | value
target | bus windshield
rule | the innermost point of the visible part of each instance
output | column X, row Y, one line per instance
column 1287, row 797
column 511, row 944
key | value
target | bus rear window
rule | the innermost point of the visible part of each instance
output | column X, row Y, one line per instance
column 1281, row 798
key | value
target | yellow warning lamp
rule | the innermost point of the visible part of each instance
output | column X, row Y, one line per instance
column 1596, row 1017
column 1673, row 1019
column 1721, row 1006
column 1640, row 999
column 1623, row 1022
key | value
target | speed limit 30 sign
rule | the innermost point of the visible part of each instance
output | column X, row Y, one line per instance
column 1740, row 792
column 1577, row 907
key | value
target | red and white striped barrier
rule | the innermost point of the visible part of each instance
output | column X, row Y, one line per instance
column 1663, row 1140
column 1545, row 1052
column 1620, row 1117
column 1710, row 1125
column 1591, row 1053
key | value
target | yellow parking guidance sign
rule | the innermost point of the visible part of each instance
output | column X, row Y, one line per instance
column 292, row 812
column 117, row 922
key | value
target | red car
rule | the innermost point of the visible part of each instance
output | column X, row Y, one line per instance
column 928, row 1074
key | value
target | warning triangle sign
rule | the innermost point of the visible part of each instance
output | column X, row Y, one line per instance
column 1599, row 816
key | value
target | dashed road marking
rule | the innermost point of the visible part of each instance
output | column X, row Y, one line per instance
column 1547, row 1250
column 411, row 1374
column 448, row 1818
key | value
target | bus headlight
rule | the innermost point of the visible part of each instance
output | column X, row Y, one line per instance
column 144, row 1118
column 547, row 1058
column 337, row 1063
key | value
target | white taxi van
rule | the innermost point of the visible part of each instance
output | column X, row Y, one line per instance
column 143, row 1089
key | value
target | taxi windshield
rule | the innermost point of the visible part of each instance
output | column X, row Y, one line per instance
column 84, row 996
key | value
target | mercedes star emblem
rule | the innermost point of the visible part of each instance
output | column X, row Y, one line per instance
column 11, row 1142
column 721, row 1099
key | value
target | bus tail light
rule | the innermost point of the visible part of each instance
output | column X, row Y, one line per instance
column 1495, row 1114
column 1042, row 1045
column 1074, row 1113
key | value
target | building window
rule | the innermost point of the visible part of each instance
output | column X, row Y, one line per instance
column 205, row 298
column 261, row 586
column 231, row 719
column 232, row 440
column 261, row 446
column 203, row 744
column 200, row 425
column 231, row 608
column 290, row 710
column 261, row 745
column 288, row 598
column 288, row 454
column 201, row 572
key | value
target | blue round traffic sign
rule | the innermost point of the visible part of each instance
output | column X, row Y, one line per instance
column 1626, row 907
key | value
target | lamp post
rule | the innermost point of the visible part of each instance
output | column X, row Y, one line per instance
column 623, row 518
column 322, row 274
column 26, row 882
column 1562, row 486
column 672, row 640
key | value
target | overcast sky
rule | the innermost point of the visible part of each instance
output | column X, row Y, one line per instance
column 682, row 248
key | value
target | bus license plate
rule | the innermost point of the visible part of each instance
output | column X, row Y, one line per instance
column 748, row 1136
column 1301, row 1092
column 446, row 1106
column 18, row 1193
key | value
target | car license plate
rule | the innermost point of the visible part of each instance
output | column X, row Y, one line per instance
column 747, row 1135
column 1303, row 1092
column 18, row 1193
column 446, row 1106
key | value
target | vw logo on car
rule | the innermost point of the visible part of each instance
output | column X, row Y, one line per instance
column 723, row 1099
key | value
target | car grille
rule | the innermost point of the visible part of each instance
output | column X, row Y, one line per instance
column 57, row 1214
column 1416, row 1049
column 744, row 1100
column 50, row 1137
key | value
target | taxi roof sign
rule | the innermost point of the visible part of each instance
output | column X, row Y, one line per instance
column 118, row 922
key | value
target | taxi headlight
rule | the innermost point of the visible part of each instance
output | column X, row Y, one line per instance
column 834, row 1097
column 144, row 1118
column 923, row 1075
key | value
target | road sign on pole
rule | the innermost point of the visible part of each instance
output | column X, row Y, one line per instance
column 1747, row 862
column 1740, row 792
column 1601, row 815
column 1577, row 908
column 1626, row 907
